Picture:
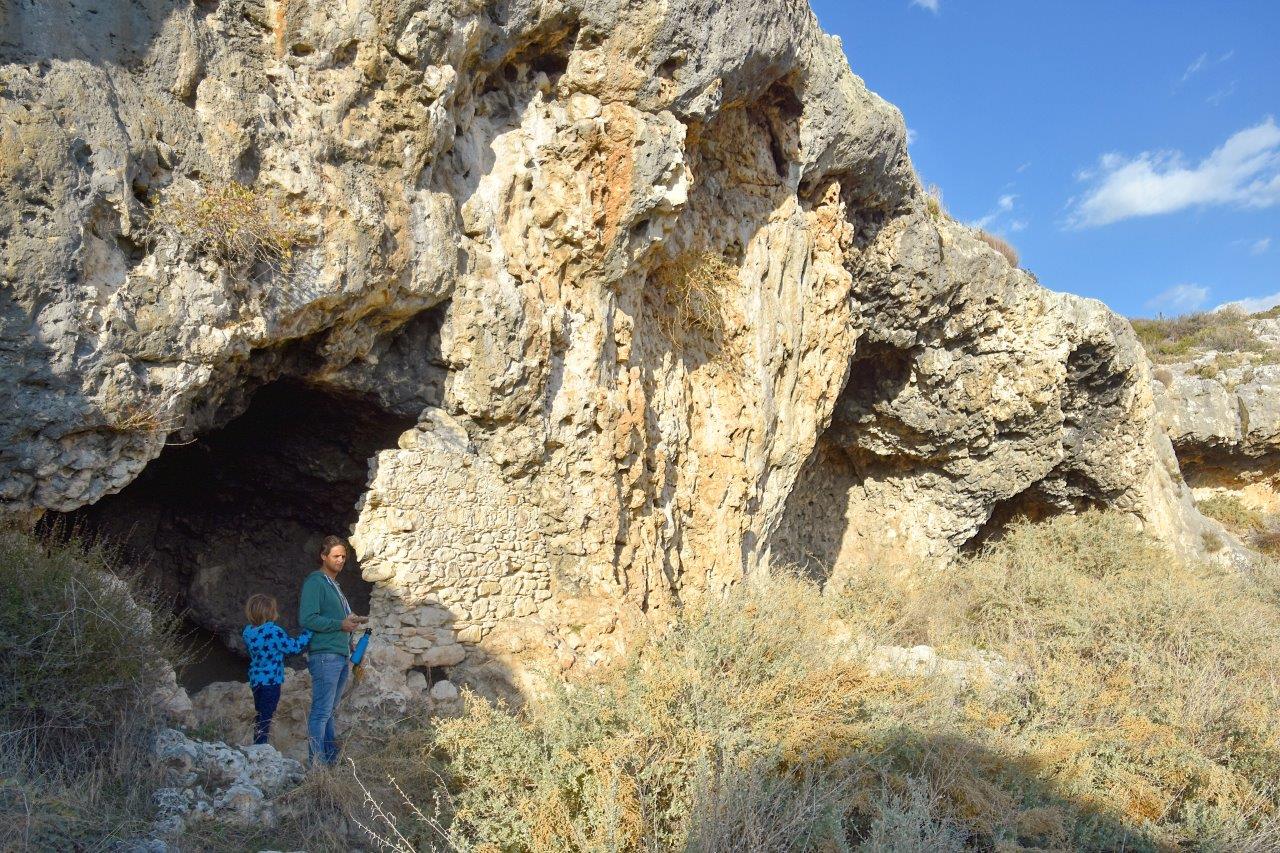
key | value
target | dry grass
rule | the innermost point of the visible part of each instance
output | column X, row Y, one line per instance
column 1180, row 338
column 1154, row 704
column 933, row 202
column 1149, row 718
column 331, row 809
column 141, row 417
column 1010, row 254
column 693, row 286
column 238, row 226
column 1228, row 509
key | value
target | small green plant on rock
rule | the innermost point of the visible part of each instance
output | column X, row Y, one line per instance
column 236, row 225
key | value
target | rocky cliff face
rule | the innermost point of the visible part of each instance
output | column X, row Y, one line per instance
column 654, row 285
column 1222, row 412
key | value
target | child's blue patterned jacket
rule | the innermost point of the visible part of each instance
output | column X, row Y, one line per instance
column 268, row 644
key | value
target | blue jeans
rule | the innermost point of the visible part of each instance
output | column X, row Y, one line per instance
column 265, row 699
column 328, row 674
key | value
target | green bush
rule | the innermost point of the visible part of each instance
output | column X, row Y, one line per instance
column 81, row 662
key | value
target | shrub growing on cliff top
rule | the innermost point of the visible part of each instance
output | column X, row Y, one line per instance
column 1148, row 718
column 81, row 662
column 1001, row 246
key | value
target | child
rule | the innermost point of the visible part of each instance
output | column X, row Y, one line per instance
column 268, row 644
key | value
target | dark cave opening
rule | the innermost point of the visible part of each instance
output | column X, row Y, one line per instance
column 1024, row 505
column 242, row 509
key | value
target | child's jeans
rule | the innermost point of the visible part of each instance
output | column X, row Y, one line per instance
column 265, row 699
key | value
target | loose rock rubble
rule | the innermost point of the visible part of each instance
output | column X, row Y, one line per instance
column 204, row 780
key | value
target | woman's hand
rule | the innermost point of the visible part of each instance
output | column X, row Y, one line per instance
column 353, row 622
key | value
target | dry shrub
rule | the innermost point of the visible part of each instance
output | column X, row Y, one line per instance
column 236, row 225
column 1153, row 709
column 1267, row 540
column 693, row 286
column 141, row 417
column 81, row 663
column 1010, row 254
column 1148, row 719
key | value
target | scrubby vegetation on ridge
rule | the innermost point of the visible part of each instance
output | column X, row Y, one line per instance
column 1147, row 716
column 1170, row 339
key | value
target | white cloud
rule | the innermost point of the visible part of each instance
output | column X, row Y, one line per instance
column 1195, row 67
column 912, row 136
column 1221, row 95
column 1201, row 62
column 1004, row 204
column 1253, row 306
column 1178, row 299
column 931, row 5
column 1260, row 247
column 1243, row 171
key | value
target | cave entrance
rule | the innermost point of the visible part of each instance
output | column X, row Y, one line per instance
column 243, row 509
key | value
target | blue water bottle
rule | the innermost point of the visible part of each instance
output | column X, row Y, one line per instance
column 361, row 645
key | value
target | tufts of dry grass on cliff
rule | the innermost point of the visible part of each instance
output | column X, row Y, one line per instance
column 1147, row 716
column 693, row 286
column 1001, row 246
column 236, row 225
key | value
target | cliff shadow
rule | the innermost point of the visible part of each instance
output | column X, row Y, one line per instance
column 101, row 32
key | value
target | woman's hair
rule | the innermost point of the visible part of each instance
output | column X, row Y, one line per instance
column 261, row 608
column 327, row 544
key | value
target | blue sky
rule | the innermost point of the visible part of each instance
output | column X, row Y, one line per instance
column 1130, row 150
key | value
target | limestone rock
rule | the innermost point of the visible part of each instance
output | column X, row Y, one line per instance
column 210, row 779
column 658, row 289
column 1224, row 423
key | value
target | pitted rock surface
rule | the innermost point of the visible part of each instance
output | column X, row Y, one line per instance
column 496, row 200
